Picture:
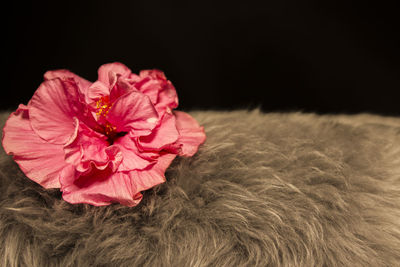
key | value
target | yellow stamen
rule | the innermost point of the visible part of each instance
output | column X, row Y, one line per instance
column 103, row 106
column 109, row 129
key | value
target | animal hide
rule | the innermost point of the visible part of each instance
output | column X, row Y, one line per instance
column 277, row 189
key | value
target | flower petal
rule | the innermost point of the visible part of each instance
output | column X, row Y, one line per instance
column 82, row 83
column 153, row 175
column 191, row 134
column 164, row 134
column 154, row 74
column 107, row 72
column 99, row 187
column 133, row 113
column 103, row 187
column 167, row 98
column 88, row 147
column 95, row 91
column 52, row 109
column 150, row 88
column 161, row 91
column 39, row 160
column 132, row 159
column 120, row 87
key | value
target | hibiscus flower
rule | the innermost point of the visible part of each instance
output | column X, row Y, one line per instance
column 101, row 142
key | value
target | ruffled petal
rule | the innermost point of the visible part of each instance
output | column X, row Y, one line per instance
column 133, row 78
column 98, row 187
column 161, row 91
column 133, row 113
column 82, row 83
column 103, row 187
column 107, row 73
column 191, row 134
column 87, row 147
column 153, row 175
column 167, row 98
column 52, row 109
column 163, row 135
column 150, row 88
column 154, row 74
column 95, row 91
column 39, row 160
column 121, row 87
column 132, row 158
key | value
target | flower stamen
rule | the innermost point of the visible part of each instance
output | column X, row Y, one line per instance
column 109, row 130
column 103, row 106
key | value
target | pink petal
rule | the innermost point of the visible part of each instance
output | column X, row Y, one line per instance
column 121, row 87
column 52, row 109
column 133, row 78
column 167, row 98
column 39, row 160
column 95, row 91
column 107, row 72
column 153, row 74
column 72, row 80
column 164, row 134
column 88, row 147
column 99, row 187
column 150, row 88
column 191, row 135
column 132, row 158
column 133, row 113
column 161, row 91
column 153, row 175
column 66, row 74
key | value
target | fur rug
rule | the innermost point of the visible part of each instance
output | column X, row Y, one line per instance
column 278, row 189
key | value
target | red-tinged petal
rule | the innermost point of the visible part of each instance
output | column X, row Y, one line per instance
column 174, row 148
column 153, row 175
column 106, row 72
column 39, row 160
column 121, row 87
column 132, row 159
column 87, row 147
column 82, row 83
column 99, row 188
column 150, row 88
column 133, row 78
column 167, row 98
column 154, row 74
column 52, row 109
column 95, row 91
column 163, row 135
column 133, row 113
column 161, row 91
column 191, row 134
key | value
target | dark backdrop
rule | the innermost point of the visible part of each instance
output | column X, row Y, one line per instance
column 322, row 56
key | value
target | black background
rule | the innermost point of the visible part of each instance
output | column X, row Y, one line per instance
column 322, row 56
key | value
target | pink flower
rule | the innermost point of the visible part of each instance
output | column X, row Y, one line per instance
column 101, row 142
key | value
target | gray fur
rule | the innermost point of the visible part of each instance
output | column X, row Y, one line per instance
column 278, row 189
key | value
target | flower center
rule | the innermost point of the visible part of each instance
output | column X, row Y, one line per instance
column 103, row 106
